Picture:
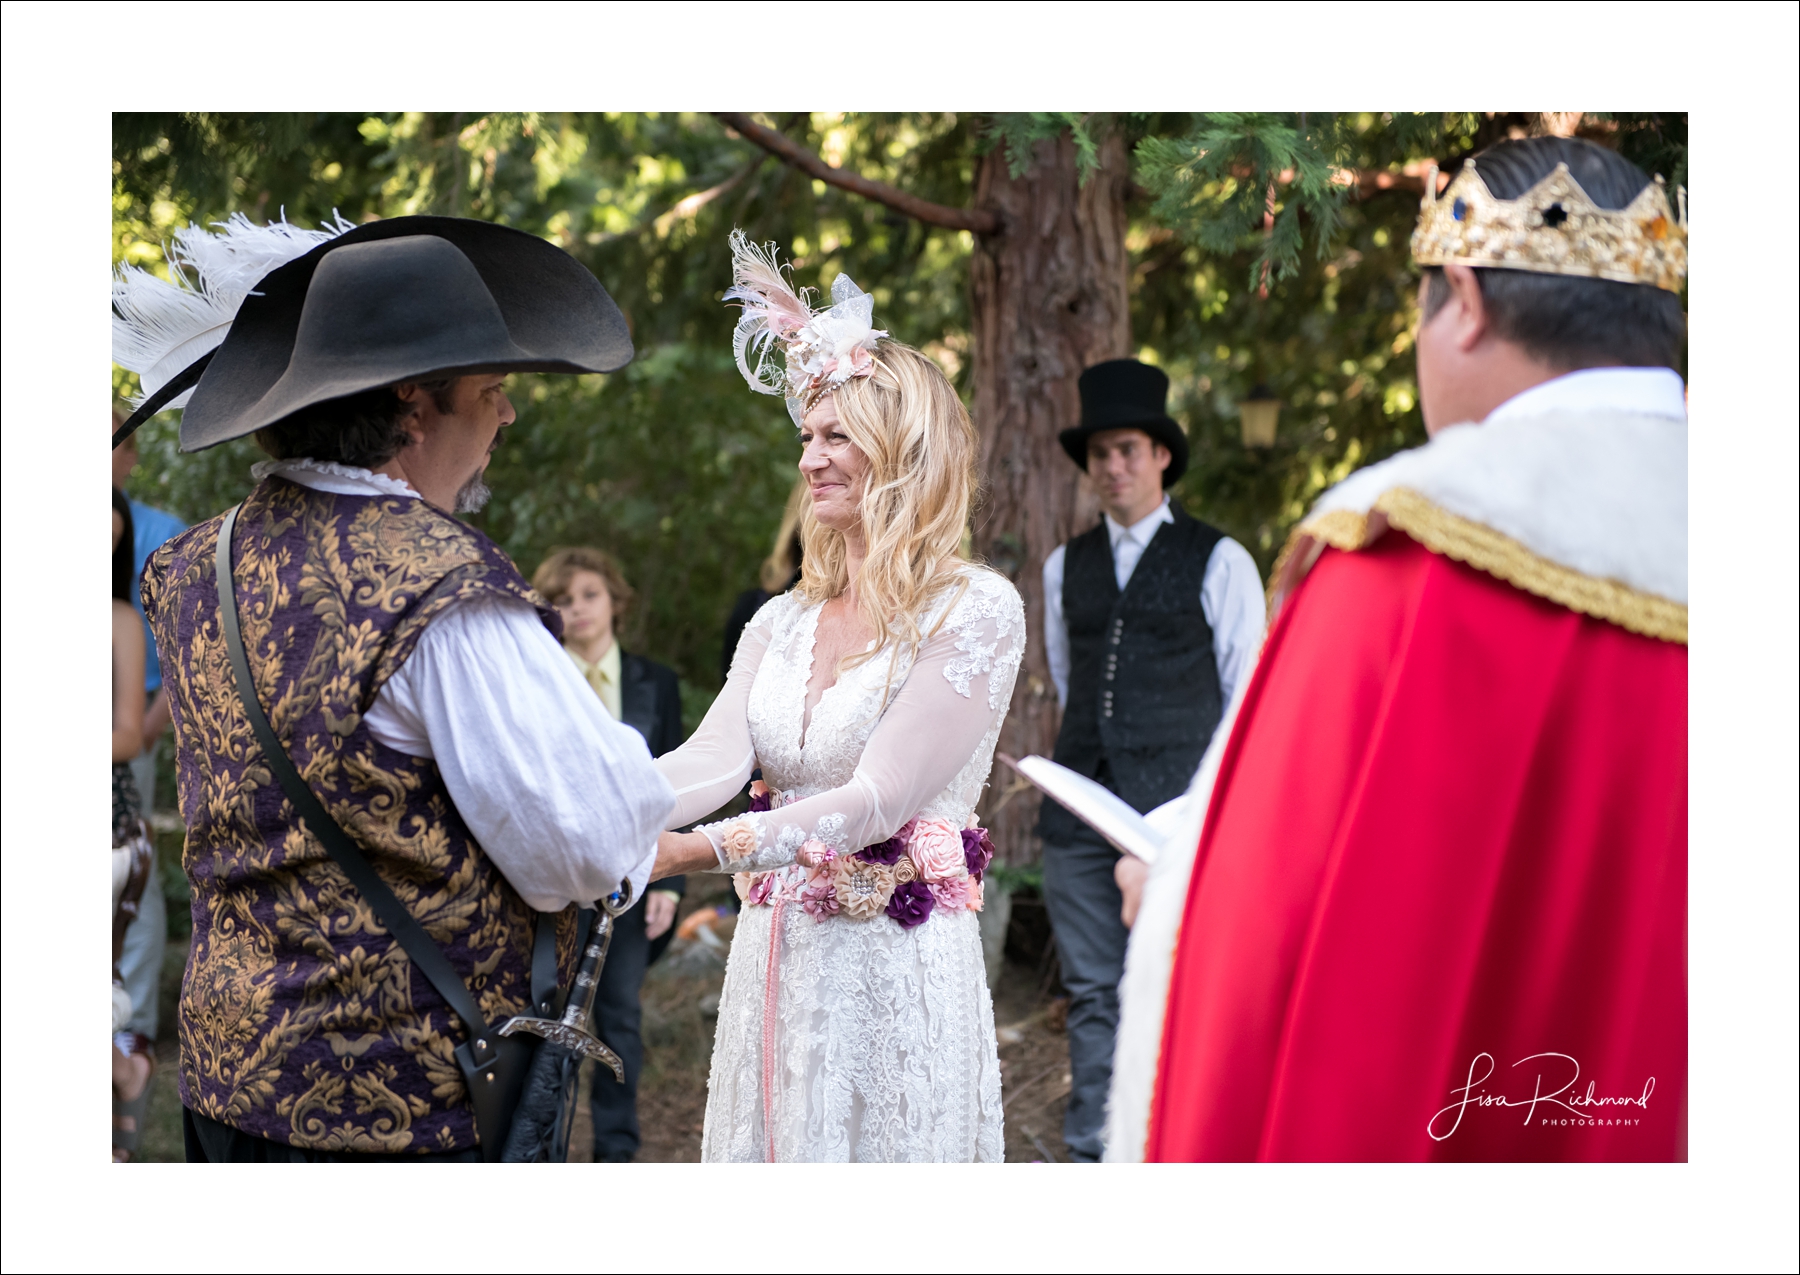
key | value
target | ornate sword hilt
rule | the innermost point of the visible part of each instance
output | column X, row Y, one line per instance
column 571, row 1031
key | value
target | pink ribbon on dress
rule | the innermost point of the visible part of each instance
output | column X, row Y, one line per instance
column 771, row 987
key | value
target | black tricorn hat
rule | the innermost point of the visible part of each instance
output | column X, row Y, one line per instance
column 1126, row 394
column 391, row 301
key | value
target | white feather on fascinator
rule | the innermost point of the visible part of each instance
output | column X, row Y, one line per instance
column 820, row 349
column 160, row 327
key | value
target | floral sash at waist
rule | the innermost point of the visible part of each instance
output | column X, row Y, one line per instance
column 927, row 865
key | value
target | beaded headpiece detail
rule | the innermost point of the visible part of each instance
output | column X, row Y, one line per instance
column 820, row 349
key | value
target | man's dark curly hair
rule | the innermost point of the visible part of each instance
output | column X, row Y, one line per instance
column 365, row 430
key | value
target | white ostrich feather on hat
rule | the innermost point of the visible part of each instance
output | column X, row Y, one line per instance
column 820, row 349
column 160, row 327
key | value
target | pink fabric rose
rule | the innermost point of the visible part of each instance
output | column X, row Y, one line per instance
column 760, row 888
column 953, row 894
column 937, row 850
column 819, row 898
column 814, row 853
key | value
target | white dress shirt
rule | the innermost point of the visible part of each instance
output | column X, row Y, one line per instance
column 561, row 797
column 1231, row 598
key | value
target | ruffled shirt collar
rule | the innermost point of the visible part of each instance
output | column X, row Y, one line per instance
column 329, row 476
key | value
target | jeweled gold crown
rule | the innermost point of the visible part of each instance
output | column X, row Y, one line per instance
column 1554, row 228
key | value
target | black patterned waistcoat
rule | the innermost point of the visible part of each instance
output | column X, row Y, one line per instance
column 301, row 1019
column 1143, row 680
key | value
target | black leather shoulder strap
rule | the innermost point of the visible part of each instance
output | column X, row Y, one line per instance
column 417, row 944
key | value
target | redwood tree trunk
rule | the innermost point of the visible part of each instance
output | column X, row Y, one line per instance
column 1048, row 298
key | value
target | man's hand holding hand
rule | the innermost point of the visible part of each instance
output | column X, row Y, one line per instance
column 679, row 853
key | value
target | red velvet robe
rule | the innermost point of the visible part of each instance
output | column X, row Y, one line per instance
column 1443, row 874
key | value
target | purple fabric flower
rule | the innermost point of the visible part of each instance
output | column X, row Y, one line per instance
column 911, row 904
column 978, row 851
column 887, row 852
column 761, row 801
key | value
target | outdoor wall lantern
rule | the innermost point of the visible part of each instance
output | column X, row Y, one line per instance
column 1259, row 414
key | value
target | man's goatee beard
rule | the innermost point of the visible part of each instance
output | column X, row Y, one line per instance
column 473, row 497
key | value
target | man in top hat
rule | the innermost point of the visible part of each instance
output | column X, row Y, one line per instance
column 1437, row 906
column 1150, row 621
column 412, row 675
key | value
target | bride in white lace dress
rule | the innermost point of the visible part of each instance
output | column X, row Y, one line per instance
column 855, row 1023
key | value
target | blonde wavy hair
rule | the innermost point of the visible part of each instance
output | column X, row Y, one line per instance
column 920, row 443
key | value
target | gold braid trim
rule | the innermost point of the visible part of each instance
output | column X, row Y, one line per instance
column 1341, row 529
column 1504, row 558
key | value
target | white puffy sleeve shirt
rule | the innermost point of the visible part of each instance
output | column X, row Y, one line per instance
column 562, row 798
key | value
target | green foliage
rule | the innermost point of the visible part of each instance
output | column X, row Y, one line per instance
column 1019, row 133
column 672, row 463
column 1333, row 341
column 1234, row 174
column 1332, row 338
column 1655, row 141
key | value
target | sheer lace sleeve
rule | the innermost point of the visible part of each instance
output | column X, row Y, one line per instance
column 711, row 768
column 942, row 715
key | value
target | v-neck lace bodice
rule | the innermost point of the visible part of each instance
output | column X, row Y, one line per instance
column 902, row 734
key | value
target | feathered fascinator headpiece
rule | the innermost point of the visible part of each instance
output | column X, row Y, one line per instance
column 820, row 349
column 159, row 327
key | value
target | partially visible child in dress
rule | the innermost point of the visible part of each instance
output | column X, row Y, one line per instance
column 587, row 586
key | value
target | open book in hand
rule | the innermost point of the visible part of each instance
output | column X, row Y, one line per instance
column 1102, row 810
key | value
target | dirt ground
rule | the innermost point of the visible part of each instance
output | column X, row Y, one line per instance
column 681, row 1005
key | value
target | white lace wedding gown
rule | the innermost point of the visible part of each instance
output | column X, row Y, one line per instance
column 882, row 1037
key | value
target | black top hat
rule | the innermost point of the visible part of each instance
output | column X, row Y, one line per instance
column 395, row 300
column 1126, row 394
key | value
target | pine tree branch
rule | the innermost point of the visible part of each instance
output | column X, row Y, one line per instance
column 977, row 220
column 700, row 199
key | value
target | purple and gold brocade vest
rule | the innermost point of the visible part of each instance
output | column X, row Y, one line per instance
column 301, row 1020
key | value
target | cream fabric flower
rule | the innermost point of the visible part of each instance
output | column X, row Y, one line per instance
column 739, row 842
column 862, row 888
column 905, row 870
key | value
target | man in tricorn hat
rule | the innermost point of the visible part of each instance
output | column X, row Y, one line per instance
column 413, row 677
column 1150, row 620
column 1437, row 907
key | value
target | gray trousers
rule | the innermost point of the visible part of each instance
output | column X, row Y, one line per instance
column 619, row 1020
column 1083, row 901
column 146, row 937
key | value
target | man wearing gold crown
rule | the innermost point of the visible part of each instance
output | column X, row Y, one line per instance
column 1436, row 908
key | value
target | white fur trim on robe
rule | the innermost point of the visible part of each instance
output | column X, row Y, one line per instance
column 1150, row 955
column 1602, row 493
